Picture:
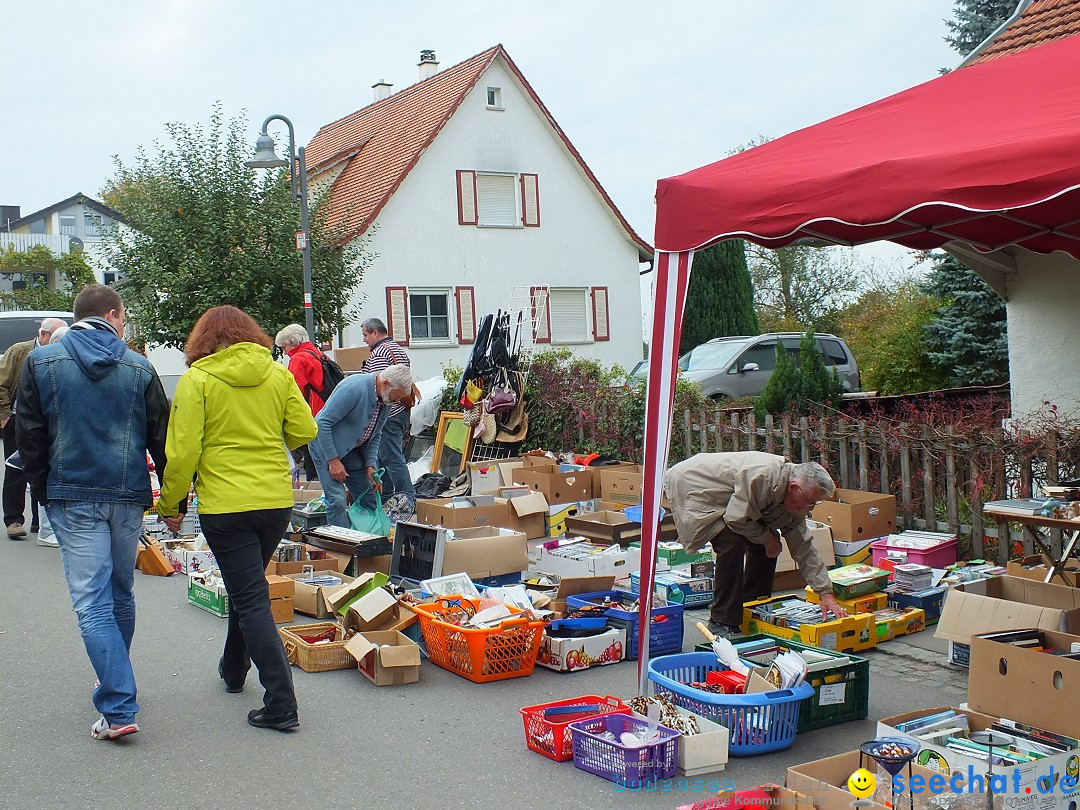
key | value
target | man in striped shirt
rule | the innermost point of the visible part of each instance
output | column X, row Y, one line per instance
column 386, row 352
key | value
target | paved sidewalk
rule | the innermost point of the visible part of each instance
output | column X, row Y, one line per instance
column 444, row 742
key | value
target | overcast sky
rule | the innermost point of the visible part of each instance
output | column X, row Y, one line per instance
column 644, row 89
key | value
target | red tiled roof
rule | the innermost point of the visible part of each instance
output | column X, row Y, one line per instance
column 381, row 143
column 1042, row 21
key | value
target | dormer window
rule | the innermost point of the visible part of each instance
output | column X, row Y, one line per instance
column 494, row 98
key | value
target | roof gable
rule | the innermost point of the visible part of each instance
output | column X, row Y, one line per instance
column 1041, row 21
column 381, row 143
column 75, row 199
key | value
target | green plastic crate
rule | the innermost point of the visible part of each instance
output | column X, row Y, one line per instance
column 679, row 556
column 854, row 676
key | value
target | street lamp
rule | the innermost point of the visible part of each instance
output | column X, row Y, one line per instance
column 266, row 158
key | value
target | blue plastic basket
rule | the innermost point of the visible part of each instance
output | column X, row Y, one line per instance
column 634, row 513
column 665, row 636
column 633, row 767
column 759, row 723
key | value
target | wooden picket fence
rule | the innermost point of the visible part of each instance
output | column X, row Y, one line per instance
column 941, row 477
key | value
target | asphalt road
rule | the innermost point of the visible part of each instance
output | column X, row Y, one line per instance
column 444, row 742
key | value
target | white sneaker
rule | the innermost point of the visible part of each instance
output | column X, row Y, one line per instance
column 102, row 730
column 48, row 542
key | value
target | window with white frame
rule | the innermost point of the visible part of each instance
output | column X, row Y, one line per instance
column 494, row 98
column 429, row 315
column 67, row 224
column 92, row 223
column 498, row 199
column 569, row 314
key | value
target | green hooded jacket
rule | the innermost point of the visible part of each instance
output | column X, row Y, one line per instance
column 234, row 414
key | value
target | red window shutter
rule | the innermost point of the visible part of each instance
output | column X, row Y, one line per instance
column 397, row 314
column 541, row 315
column 530, row 200
column 466, row 314
column 466, row 197
column 600, row 321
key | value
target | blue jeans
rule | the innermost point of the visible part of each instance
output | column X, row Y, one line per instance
column 392, row 456
column 334, row 493
column 98, row 543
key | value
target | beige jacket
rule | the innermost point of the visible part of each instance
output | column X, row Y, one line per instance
column 743, row 492
column 10, row 367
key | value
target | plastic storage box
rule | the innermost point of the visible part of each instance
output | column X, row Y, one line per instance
column 850, row 581
column 632, row 767
column 759, row 723
column 547, row 724
column 938, row 555
column 665, row 635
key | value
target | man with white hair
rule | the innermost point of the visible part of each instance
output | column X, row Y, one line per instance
column 306, row 368
column 15, row 479
column 742, row 503
column 346, row 451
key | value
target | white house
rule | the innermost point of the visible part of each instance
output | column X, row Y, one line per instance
column 469, row 189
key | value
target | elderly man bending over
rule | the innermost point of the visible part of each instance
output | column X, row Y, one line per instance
column 743, row 503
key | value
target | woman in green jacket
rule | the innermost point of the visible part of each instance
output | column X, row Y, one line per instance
column 235, row 417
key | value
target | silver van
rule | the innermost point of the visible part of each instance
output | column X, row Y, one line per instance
column 735, row 367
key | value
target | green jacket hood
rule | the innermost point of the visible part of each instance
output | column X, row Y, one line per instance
column 241, row 365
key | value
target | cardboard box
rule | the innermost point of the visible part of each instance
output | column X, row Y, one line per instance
column 485, row 552
column 387, row 658
column 399, row 618
column 371, row 565
column 185, row 559
column 1026, row 684
column 528, row 515
column 212, row 599
column 584, row 559
column 850, row 634
column 855, row 515
column 853, row 552
column 307, row 492
column 559, row 513
column 678, row 587
column 463, row 513
column 1007, row 603
column 707, row 751
column 350, row 358
column 860, row 604
column 604, row 527
column 572, row 586
column 309, row 600
column 557, row 487
column 823, row 545
column 372, row 610
column 282, row 609
column 280, row 587
column 1037, row 566
column 622, row 484
column 338, row 599
column 571, row 654
column 297, row 566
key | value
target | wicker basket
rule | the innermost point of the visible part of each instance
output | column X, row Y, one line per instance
column 316, row 657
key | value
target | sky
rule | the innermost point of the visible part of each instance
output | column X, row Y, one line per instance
column 643, row 89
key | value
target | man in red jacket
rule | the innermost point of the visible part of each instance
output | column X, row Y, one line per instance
column 307, row 370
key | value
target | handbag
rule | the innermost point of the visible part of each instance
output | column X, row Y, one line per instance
column 472, row 396
column 373, row 521
column 502, row 397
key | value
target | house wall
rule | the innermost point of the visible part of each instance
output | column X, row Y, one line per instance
column 49, row 224
column 1043, row 328
column 578, row 244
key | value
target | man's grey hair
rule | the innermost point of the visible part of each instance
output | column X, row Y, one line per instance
column 374, row 325
column 50, row 325
column 399, row 376
column 292, row 335
column 812, row 477
column 59, row 332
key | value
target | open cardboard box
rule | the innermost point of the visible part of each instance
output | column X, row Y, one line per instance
column 399, row 618
column 1037, row 566
column 350, row 358
column 823, row 545
column 855, row 515
column 386, row 657
column 556, row 486
column 310, row 600
column 485, row 551
column 338, row 599
column 572, row 586
column 371, row 611
column 604, row 527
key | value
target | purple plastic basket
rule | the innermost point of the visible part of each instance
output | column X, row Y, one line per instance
column 633, row 767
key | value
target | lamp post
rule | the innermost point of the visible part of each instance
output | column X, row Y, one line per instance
column 266, row 158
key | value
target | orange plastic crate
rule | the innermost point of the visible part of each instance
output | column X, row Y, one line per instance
column 495, row 654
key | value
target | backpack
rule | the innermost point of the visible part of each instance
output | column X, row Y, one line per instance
column 331, row 376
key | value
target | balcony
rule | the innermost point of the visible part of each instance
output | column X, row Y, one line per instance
column 57, row 243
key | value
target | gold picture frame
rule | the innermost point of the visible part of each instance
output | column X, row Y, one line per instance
column 450, row 449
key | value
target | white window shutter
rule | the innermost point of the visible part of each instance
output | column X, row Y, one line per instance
column 397, row 314
column 541, row 316
column 569, row 317
column 466, row 314
column 530, row 200
column 466, row 197
column 496, row 200
column 601, row 324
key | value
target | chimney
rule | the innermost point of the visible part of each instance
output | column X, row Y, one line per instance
column 428, row 65
column 382, row 89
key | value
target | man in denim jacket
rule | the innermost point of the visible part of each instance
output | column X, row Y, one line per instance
column 88, row 409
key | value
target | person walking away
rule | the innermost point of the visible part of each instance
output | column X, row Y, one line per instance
column 742, row 503
column 11, row 366
column 346, row 451
column 307, row 370
column 88, row 410
column 385, row 352
column 235, row 417
column 45, row 535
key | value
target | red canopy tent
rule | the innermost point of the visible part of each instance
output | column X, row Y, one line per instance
column 988, row 155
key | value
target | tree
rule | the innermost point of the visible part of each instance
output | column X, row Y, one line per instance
column 975, row 21
column 884, row 330
column 969, row 332
column 206, row 230
column 781, row 392
column 800, row 287
column 720, row 298
column 37, row 265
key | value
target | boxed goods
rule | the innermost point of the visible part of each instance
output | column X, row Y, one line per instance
column 386, row 657
column 1037, row 566
column 568, row 653
column 855, row 515
column 579, row 558
column 867, row 603
column 935, row 549
column 679, row 587
column 605, row 527
column 673, row 554
column 928, row 600
column 823, row 545
column 310, row 586
column 556, row 485
column 207, row 591
column 895, row 622
column 850, row 581
column 797, row 620
column 186, row 558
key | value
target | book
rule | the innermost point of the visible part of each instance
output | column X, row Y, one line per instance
column 1061, row 741
column 1017, row 506
column 922, row 722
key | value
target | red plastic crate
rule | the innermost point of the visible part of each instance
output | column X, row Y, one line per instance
column 549, row 735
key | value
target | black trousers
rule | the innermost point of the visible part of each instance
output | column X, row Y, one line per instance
column 243, row 543
column 744, row 572
column 14, row 483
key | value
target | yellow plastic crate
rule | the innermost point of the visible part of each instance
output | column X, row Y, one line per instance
column 866, row 603
column 853, row 633
column 912, row 620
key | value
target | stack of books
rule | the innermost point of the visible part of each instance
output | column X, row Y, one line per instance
column 913, row 577
column 1020, row 506
column 951, row 730
column 789, row 613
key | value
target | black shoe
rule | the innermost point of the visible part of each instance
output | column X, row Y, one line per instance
column 232, row 690
column 35, row 527
column 724, row 630
column 260, row 718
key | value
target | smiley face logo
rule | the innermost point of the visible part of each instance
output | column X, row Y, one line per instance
column 1072, row 767
column 862, row 783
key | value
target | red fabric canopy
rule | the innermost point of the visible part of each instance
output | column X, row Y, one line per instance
column 988, row 154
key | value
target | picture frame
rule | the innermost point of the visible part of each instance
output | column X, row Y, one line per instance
column 452, row 451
